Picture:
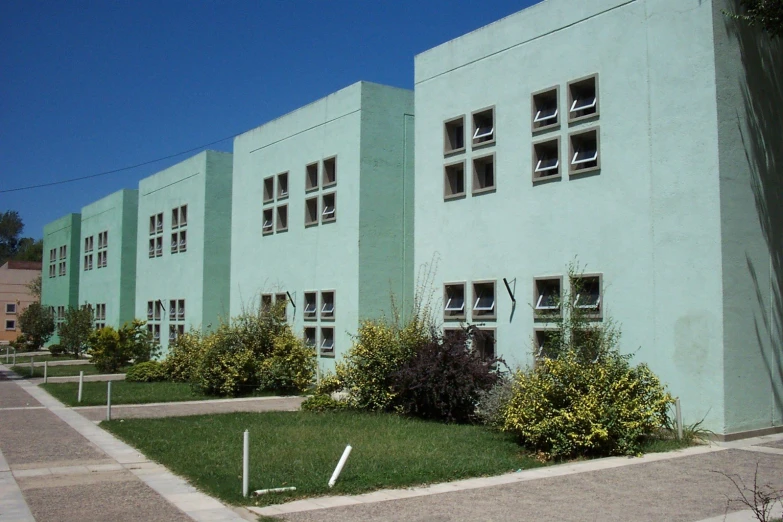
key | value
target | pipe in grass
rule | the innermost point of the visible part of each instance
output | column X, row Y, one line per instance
column 340, row 465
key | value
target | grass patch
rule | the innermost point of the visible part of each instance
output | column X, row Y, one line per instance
column 58, row 371
column 40, row 358
column 301, row 449
column 664, row 444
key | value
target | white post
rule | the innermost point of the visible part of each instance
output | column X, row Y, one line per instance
column 246, row 464
column 108, row 401
column 678, row 413
column 81, row 384
column 14, row 356
column 340, row 465
column 7, row 351
column 32, row 365
column 46, row 371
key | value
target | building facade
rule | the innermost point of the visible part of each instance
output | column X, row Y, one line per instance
column 322, row 213
column 624, row 160
column 15, row 295
column 60, row 277
column 107, row 270
column 184, row 246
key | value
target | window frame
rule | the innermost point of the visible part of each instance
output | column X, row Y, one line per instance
column 310, row 316
column 447, row 195
column 281, row 216
column 268, row 221
column 310, row 169
column 282, row 180
column 492, row 331
column 573, row 151
column 327, row 316
column 484, row 315
column 537, row 340
column 330, row 352
column 451, row 315
column 268, row 190
column 447, row 126
column 598, row 315
column 537, row 154
column 473, row 140
column 571, row 101
column 482, row 160
column 535, row 110
column 324, row 206
column 308, row 220
column 547, row 312
column 10, row 309
column 324, row 172
column 306, row 338
column 267, row 300
column 12, row 322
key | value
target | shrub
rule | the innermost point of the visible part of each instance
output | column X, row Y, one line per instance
column 290, row 366
column 323, row 403
column 330, row 383
column 112, row 349
column 443, row 379
column 57, row 350
column 184, row 358
column 566, row 407
column 76, row 329
column 493, row 403
column 37, row 325
column 149, row 371
column 226, row 367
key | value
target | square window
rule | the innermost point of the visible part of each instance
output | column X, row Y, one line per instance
column 583, row 98
column 311, row 177
column 484, row 127
column 327, row 341
column 269, row 223
column 183, row 215
column 545, row 343
column 587, row 294
column 311, row 211
column 10, row 324
column 546, row 111
column 484, row 174
column 175, row 218
column 10, row 308
column 484, row 305
column 310, row 306
column 547, row 295
column 484, row 343
column 327, row 305
column 329, row 172
column 310, row 336
column 282, row 218
column 174, row 243
column 282, row 185
column 584, row 152
column 269, row 189
column 329, row 206
column 183, row 240
column 266, row 301
column 454, row 181
column 454, row 135
column 454, row 301
column 546, row 160
column 282, row 298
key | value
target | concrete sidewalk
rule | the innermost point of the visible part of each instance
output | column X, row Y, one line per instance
column 56, row 465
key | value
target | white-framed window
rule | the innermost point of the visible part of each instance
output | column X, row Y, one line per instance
column 484, row 174
column 583, row 98
column 88, row 262
column 63, row 251
column 484, row 127
column 546, row 109
column 62, row 269
column 454, row 180
column 310, row 312
column 454, row 301
column 156, row 231
column 454, row 135
column 10, row 308
column 179, row 217
column 311, row 177
column 547, row 295
column 546, row 160
column 52, row 255
column 484, row 302
column 584, row 151
column 329, row 206
column 89, row 243
column 329, row 172
column 586, row 290
column 10, row 324
column 327, row 304
column 327, row 341
column 268, row 225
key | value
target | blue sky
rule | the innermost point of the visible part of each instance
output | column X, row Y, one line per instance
column 94, row 86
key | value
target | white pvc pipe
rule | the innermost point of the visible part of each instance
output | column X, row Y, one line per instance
column 340, row 465
column 46, row 371
column 7, row 351
column 246, row 464
column 678, row 414
column 108, row 401
column 81, row 385
column 14, row 356
column 273, row 490
column 32, row 365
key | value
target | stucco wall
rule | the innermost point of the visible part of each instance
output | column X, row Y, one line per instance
column 61, row 290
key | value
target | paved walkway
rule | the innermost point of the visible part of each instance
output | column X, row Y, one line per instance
column 56, row 465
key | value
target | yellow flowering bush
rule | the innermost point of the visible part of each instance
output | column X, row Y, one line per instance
column 184, row 357
column 290, row 366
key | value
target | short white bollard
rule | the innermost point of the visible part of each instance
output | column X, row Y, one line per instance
column 7, row 351
column 246, row 463
column 81, row 385
column 340, row 465
column 46, row 372
column 108, row 401
column 678, row 415
column 14, row 356
column 32, row 366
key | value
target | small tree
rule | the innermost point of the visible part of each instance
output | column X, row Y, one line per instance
column 112, row 349
column 37, row 325
column 75, row 330
column 768, row 14
column 34, row 287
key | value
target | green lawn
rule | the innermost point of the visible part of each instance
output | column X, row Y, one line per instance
column 94, row 393
column 301, row 449
column 37, row 358
column 58, row 371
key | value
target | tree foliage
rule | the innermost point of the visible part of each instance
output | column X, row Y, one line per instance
column 34, row 287
column 37, row 325
column 12, row 244
column 767, row 14
column 75, row 330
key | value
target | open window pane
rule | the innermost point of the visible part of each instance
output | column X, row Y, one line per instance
column 585, row 151
column 183, row 240
column 268, row 223
column 587, row 294
column 282, row 185
column 327, row 305
column 547, row 295
column 545, row 344
column 310, row 305
column 183, row 215
column 327, row 341
column 546, row 159
column 310, row 336
column 484, row 126
column 329, row 206
column 484, row 305
column 454, row 301
column 175, row 218
column 583, row 98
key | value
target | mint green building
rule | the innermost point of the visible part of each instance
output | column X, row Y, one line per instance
column 107, row 255
column 637, row 138
column 183, row 246
column 60, row 272
column 322, row 213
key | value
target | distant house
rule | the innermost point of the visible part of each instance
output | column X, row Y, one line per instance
column 15, row 276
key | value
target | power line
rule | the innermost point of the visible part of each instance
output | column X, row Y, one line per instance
column 104, row 173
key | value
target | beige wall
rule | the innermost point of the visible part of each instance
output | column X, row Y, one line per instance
column 14, row 278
